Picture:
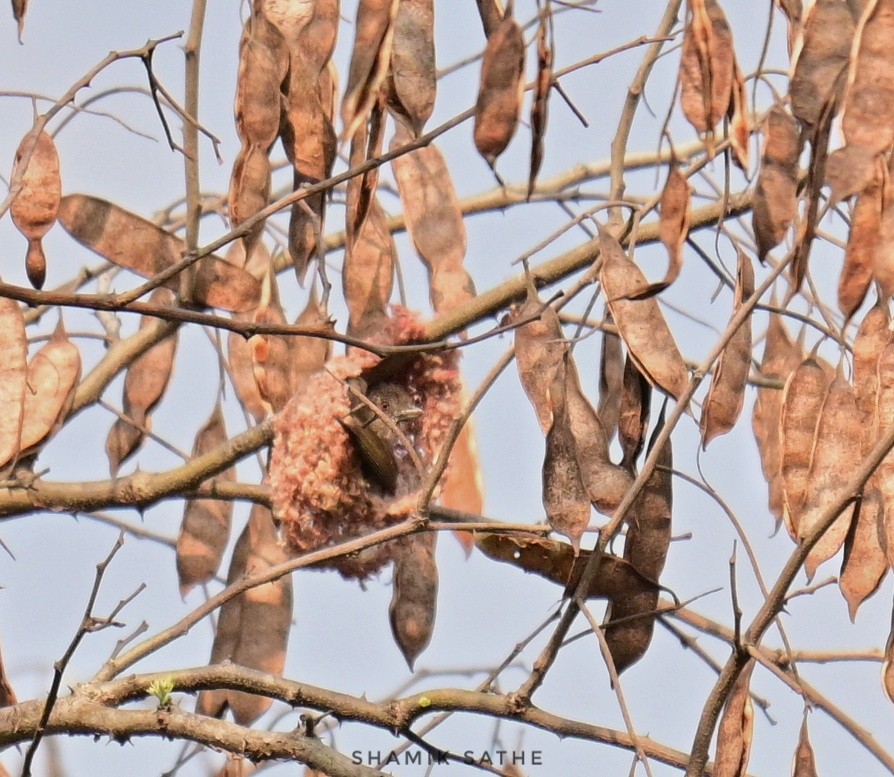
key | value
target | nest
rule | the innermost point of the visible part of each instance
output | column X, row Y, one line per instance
column 318, row 490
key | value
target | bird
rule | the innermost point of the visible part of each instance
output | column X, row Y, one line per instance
column 377, row 440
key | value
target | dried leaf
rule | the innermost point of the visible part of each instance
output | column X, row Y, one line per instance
column 13, row 377
column 131, row 242
column 640, row 322
column 805, row 762
column 776, row 195
column 370, row 59
column 35, row 207
column 736, row 728
column 836, row 455
column 144, row 385
column 253, row 628
column 611, row 380
column 205, row 529
column 868, row 120
column 645, row 547
column 781, row 357
column 413, row 82
column 539, row 353
column 53, row 375
column 434, row 221
column 862, row 248
column 675, row 210
column 802, row 402
column 500, row 89
column 865, row 562
column 368, row 274
column 633, row 418
column 820, row 69
column 556, row 561
column 727, row 394
column 542, row 88
column 414, row 594
column 706, row 67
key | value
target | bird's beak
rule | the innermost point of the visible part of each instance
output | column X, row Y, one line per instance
column 408, row 415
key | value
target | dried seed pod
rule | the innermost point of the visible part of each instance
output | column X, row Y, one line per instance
column 368, row 274
column 13, row 377
column 415, row 594
column 35, row 207
column 565, row 497
column 131, row 242
column 820, row 70
column 736, row 728
column 253, row 628
column 640, row 322
column 556, row 561
column 836, row 455
column 633, row 416
column 434, row 221
column 706, row 66
column 739, row 116
column 413, row 82
column 539, row 353
column 370, row 59
column 872, row 337
column 781, row 357
column 7, row 694
column 542, row 87
column 884, row 412
column 862, row 248
column 776, row 195
column 144, row 385
column 865, row 563
column 309, row 354
column 888, row 667
column 646, row 547
column 868, row 120
column 611, row 380
column 727, row 394
column 500, row 90
column 249, row 191
column 802, row 402
column 270, row 357
column 205, row 529
column 606, row 483
column 805, row 762
column 675, row 211
column 53, row 375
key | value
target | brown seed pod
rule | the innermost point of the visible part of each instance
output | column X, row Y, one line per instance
column 53, row 375
column 543, row 85
column 144, row 385
column 556, row 561
column 805, row 761
column 675, row 211
column 872, row 337
column 884, row 412
column 836, row 454
column 130, row 241
column 35, row 207
column 735, row 729
column 633, row 417
column 646, row 547
column 820, row 70
column 781, row 357
column 249, row 191
column 706, row 66
column 13, row 377
column 414, row 595
column 727, row 394
column 776, row 195
column 640, row 322
column 865, row 563
column 611, row 380
column 205, row 528
column 862, row 247
column 500, row 90
column 253, row 628
column 413, row 82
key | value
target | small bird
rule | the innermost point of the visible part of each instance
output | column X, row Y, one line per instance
column 376, row 440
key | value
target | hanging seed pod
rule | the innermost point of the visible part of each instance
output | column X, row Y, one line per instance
column 611, row 380
column 736, row 728
column 862, row 248
column 35, row 208
column 249, row 191
column 633, row 417
column 13, row 377
column 500, row 90
column 542, row 87
column 727, row 394
column 414, row 594
column 205, row 529
column 413, row 81
column 865, row 563
column 675, row 211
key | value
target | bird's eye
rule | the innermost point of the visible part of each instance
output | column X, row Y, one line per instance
column 384, row 405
